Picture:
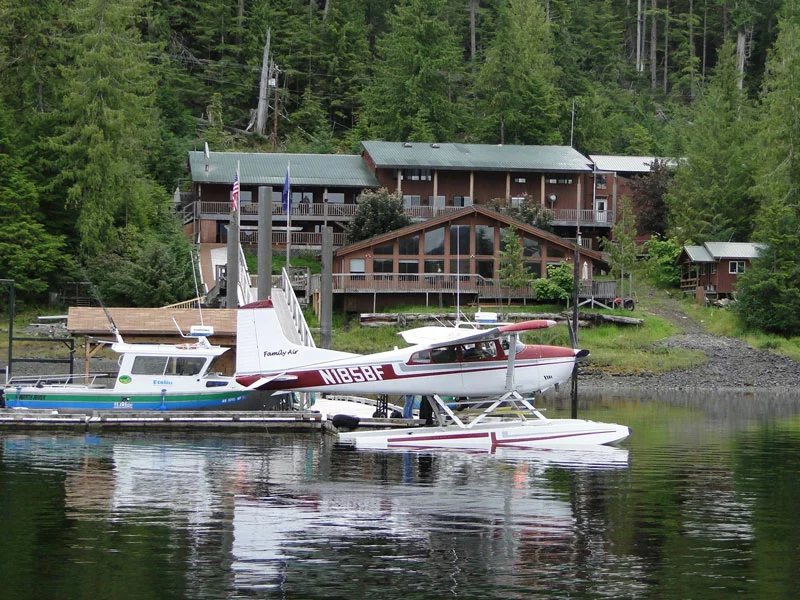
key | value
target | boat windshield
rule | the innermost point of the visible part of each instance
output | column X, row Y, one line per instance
column 163, row 365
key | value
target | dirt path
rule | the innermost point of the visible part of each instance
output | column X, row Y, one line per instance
column 731, row 363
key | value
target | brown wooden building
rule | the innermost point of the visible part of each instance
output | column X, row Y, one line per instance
column 452, row 254
column 712, row 270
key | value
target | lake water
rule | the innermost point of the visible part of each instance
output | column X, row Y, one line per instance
column 702, row 501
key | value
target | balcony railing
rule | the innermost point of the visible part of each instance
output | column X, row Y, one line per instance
column 567, row 216
column 421, row 213
column 338, row 211
column 327, row 210
column 422, row 283
column 300, row 239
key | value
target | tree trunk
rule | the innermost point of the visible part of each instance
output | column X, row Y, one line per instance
column 473, row 9
column 691, row 49
column 666, row 48
column 653, row 47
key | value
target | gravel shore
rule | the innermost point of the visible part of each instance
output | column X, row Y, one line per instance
column 731, row 364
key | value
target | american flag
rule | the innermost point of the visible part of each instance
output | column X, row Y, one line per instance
column 235, row 192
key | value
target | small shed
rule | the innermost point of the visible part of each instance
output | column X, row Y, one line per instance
column 713, row 269
column 152, row 325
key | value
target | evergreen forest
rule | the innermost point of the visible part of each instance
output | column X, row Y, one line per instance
column 101, row 99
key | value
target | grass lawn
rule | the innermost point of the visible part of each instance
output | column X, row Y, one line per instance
column 614, row 348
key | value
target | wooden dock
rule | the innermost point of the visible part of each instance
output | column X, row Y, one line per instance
column 264, row 421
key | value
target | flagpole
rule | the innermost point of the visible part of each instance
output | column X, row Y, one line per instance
column 287, row 188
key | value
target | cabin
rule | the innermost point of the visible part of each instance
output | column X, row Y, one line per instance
column 712, row 270
column 447, row 259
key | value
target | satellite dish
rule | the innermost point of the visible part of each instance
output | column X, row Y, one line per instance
column 551, row 198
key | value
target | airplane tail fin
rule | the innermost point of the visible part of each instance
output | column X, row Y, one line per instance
column 262, row 347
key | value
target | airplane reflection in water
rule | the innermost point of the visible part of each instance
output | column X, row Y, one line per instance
column 265, row 507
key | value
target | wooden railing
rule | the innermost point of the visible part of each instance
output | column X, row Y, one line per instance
column 300, row 239
column 421, row 282
column 327, row 210
column 339, row 211
column 567, row 216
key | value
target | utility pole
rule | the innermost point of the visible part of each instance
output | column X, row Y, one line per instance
column 11, row 309
column 575, row 297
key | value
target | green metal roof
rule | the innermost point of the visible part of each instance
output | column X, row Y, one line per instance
column 734, row 249
column 484, row 157
column 330, row 170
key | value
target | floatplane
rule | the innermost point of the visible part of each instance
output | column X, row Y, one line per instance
column 490, row 368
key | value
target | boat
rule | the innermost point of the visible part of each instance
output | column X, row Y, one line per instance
column 510, row 421
column 151, row 377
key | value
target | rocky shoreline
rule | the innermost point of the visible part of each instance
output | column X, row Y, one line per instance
column 731, row 365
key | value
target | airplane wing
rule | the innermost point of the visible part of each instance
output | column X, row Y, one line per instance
column 433, row 336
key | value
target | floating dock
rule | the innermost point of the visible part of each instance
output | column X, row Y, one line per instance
column 285, row 421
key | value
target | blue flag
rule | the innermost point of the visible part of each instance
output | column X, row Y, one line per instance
column 286, row 196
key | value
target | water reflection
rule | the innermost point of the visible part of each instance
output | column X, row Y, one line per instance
column 699, row 503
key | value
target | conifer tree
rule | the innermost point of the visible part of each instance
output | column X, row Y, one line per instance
column 769, row 293
column 107, row 122
column 519, row 98
column 418, row 79
column 710, row 197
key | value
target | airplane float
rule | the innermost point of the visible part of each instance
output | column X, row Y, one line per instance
column 452, row 361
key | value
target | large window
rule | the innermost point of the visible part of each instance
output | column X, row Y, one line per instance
column 434, row 266
column 357, row 268
column 434, row 241
column 484, row 240
column 409, row 246
column 382, row 265
column 531, row 247
column 459, row 239
column 534, row 269
column 736, row 267
column 485, row 268
column 384, row 249
column 335, row 198
column 460, row 266
column 408, row 270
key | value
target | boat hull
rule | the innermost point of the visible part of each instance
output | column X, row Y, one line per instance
column 534, row 433
column 94, row 399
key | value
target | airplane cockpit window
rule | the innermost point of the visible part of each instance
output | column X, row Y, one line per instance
column 423, row 357
column 447, row 354
column 479, row 351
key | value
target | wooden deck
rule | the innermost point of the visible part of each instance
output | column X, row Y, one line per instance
column 259, row 421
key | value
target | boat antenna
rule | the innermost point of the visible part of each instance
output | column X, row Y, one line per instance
column 96, row 294
column 196, row 288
